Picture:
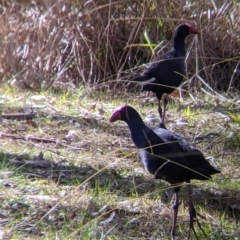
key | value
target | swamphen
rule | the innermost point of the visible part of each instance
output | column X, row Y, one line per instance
column 167, row 72
column 167, row 156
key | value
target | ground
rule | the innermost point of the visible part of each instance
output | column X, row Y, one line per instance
column 70, row 174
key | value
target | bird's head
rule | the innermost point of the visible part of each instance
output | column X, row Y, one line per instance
column 185, row 29
column 121, row 113
column 124, row 113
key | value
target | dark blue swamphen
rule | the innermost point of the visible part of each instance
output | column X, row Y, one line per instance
column 167, row 72
column 167, row 156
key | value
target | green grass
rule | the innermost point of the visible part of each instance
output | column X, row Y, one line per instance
column 94, row 186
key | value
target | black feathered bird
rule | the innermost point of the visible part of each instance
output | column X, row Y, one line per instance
column 167, row 156
column 167, row 71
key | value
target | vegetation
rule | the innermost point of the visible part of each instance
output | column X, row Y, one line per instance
column 69, row 174
column 99, row 42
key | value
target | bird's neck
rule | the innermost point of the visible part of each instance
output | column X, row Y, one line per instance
column 135, row 125
column 137, row 129
column 179, row 46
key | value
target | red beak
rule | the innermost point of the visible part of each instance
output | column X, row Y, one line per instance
column 115, row 117
column 193, row 30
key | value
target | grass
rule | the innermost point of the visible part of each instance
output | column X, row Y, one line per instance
column 90, row 184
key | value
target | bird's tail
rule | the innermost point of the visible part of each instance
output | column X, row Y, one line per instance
column 143, row 79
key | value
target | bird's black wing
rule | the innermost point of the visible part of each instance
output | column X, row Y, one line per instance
column 163, row 75
column 165, row 158
column 195, row 159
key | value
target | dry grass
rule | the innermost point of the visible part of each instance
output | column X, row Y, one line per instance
column 90, row 184
column 50, row 42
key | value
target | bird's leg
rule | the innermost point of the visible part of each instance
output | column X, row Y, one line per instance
column 161, row 124
column 175, row 213
column 160, row 108
column 192, row 214
column 165, row 102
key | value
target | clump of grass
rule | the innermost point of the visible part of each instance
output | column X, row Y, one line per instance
column 68, row 44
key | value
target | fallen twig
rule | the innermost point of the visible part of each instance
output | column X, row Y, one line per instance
column 43, row 140
column 26, row 116
column 208, row 135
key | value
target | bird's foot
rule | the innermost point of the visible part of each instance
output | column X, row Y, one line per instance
column 193, row 216
column 162, row 125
